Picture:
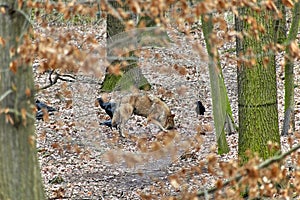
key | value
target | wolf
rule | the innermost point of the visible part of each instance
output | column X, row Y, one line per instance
column 154, row 109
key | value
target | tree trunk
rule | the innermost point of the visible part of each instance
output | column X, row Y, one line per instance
column 218, row 89
column 153, row 36
column 20, row 176
column 289, row 115
column 280, row 24
column 118, row 39
column 257, row 92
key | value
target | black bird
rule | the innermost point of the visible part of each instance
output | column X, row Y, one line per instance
column 107, row 106
column 107, row 123
column 41, row 107
column 200, row 109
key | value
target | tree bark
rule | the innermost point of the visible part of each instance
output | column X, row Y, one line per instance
column 153, row 36
column 280, row 24
column 289, row 115
column 221, row 106
column 20, row 176
column 257, row 92
column 118, row 39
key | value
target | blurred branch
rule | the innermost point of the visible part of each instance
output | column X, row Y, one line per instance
column 262, row 165
column 84, row 2
column 5, row 94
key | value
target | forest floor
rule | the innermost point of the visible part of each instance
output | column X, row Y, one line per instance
column 82, row 160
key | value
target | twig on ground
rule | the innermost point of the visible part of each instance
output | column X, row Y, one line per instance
column 58, row 77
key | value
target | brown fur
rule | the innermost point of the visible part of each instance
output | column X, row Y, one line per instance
column 156, row 111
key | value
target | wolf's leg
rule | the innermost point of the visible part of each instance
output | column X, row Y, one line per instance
column 125, row 111
column 115, row 121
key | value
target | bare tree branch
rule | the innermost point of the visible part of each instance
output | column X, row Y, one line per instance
column 5, row 94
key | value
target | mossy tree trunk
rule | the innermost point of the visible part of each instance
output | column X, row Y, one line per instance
column 280, row 24
column 20, row 176
column 289, row 115
column 257, row 92
column 221, row 105
column 118, row 39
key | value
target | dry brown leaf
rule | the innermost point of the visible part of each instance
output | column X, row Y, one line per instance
column 45, row 115
column 2, row 42
column 27, row 92
column 55, row 145
column 2, row 10
column 31, row 140
column 288, row 3
column 135, row 7
column 182, row 90
column 9, row 119
column 69, row 104
column 13, row 66
column 174, row 180
column 23, row 113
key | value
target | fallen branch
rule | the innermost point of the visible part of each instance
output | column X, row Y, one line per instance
column 56, row 78
column 262, row 165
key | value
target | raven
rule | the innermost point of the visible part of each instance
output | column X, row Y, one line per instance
column 40, row 105
column 41, row 108
column 109, row 109
column 108, row 123
column 200, row 109
column 107, row 106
